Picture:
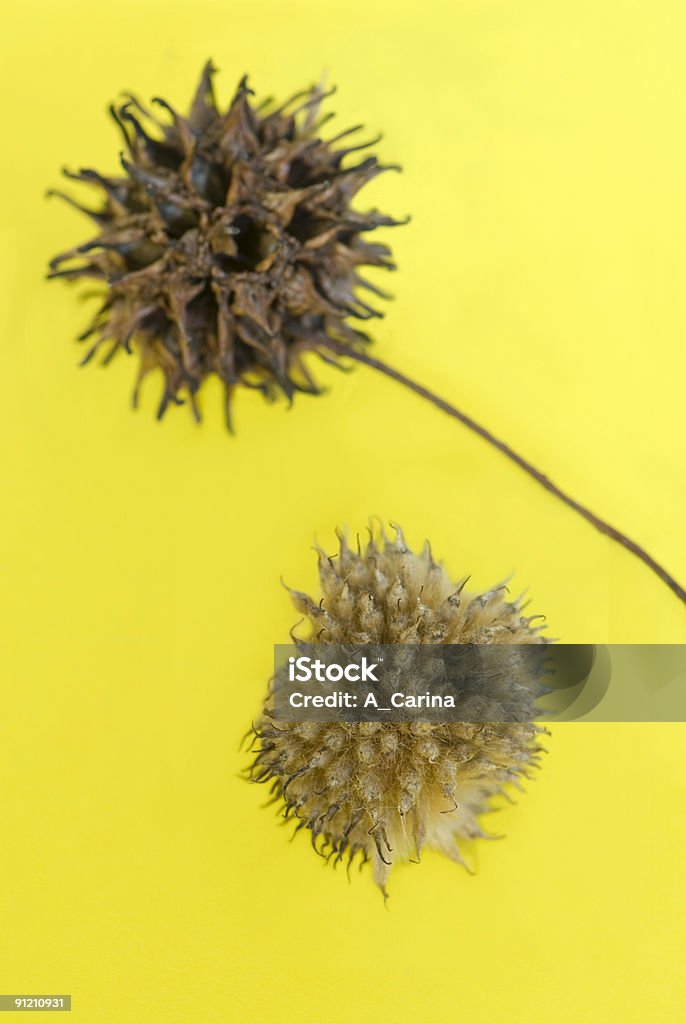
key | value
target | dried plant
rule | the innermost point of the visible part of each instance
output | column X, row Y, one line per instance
column 230, row 246
column 387, row 790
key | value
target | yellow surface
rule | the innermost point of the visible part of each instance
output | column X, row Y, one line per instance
column 541, row 285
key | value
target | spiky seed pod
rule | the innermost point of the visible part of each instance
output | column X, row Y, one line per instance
column 230, row 245
column 385, row 791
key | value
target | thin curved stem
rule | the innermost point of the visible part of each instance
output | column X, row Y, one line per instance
column 600, row 524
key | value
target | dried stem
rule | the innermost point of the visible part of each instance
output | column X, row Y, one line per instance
column 440, row 403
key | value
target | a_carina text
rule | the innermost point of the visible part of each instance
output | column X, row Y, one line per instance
column 413, row 700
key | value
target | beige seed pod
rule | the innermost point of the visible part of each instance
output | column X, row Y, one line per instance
column 387, row 790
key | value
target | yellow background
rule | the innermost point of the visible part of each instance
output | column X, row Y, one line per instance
column 541, row 285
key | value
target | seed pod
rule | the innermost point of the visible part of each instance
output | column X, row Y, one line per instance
column 387, row 790
column 230, row 245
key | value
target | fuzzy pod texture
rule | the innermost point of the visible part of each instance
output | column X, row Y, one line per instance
column 229, row 245
column 386, row 791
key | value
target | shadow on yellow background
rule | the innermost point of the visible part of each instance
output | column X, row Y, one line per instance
column 540, row 286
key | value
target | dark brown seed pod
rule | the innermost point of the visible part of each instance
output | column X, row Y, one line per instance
column 384, row 791
column 230, row 245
